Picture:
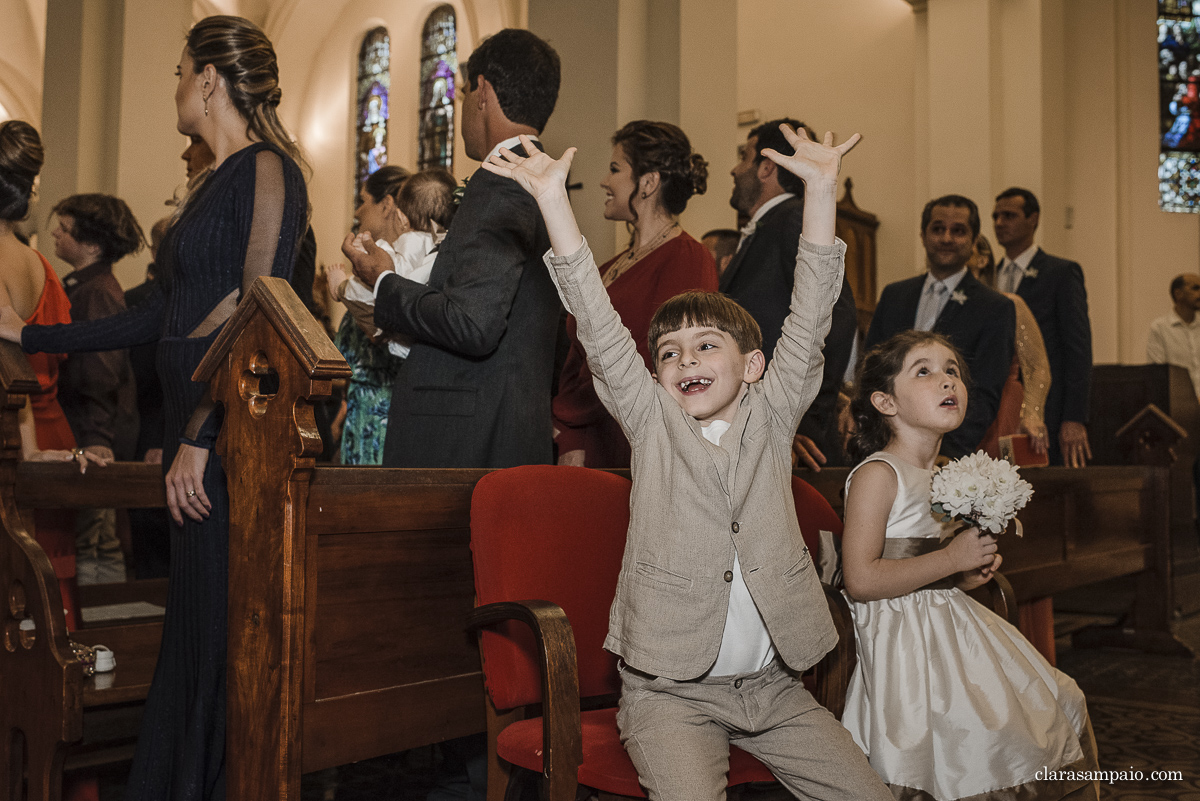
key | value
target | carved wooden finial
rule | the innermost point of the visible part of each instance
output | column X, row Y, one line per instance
column 848, row 198
column 1150, row 437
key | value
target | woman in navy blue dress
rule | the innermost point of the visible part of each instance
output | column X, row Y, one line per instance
column 244, row 220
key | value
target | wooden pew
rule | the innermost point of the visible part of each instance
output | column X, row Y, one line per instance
column 46, row 703
column 1083, row 526
column 349, row 588
column 1120, row 393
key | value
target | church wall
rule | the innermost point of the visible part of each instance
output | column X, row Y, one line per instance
column 588, row 41
column 847, row 67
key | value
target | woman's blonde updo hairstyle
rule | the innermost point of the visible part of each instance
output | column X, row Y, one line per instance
column 20, row 163
column 663, row 148
column 242, row 54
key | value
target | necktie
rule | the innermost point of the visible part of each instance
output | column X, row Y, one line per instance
column 1012, row 276
column 935, row 298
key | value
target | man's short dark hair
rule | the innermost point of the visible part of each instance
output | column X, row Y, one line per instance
column 954, row 202
column 769, row 135
column 523, row 70
column 1030, row 200
column 1177, row 285
column 704, row 309
column 103, row 220
column 727, row 241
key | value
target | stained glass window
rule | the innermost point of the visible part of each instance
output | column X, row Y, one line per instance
column 371, row 111
column 1179, row 105
column 439, row 71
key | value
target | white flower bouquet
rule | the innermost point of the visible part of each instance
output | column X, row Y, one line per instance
column 984, row 492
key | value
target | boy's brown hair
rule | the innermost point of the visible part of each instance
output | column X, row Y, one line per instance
column 427, row 197
column 704, row 309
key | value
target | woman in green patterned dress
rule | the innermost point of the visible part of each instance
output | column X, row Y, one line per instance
column 373, row 369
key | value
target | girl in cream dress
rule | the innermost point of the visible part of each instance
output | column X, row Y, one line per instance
column 948, row 700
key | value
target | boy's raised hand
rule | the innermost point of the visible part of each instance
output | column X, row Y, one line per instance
column 812, row 161
column 538, row 174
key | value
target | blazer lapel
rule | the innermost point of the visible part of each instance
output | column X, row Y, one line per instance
column 967, row 289
column 735, row 263
column 739, row 257
column 909, row 298
column 1035, row 264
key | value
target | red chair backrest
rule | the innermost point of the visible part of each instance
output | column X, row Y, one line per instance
column 553, row 534
column 814, row 515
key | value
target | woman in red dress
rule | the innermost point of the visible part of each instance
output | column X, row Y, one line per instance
column 652, row 175
column 29, row 284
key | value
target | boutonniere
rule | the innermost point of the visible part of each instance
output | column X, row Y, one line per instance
column 1031, row 272
column 457, row 195
column 959, row 297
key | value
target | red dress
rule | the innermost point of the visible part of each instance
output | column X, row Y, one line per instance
column 55, row 528
column 679, row 265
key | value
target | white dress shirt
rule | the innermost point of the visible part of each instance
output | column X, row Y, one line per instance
column 934, row 297
column 745, row 644
column 1172, row 341
column 510, row 143
column 1007, row 280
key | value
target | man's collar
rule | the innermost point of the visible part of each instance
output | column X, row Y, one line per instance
column 770, row 204
column 1177, row 320
column 951, row 282
column 1022, row 260
column 77, row 277
column 510, row 143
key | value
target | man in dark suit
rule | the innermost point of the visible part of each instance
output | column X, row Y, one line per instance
column 1053, row 288
column 761, row 273
column 949, row 300
column 475, row 389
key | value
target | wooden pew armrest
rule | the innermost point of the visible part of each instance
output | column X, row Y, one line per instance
column 562, row 738
column 833, row 672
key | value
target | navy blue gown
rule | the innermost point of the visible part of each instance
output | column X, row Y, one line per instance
column 246, row 220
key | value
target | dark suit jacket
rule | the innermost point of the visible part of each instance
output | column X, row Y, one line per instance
column 1057, row 297
column 475, row 390
column 760, row 278
column 983, row 328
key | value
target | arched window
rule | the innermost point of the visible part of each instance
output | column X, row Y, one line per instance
column 1179, row 105
column 439, row 71
column 371, row 111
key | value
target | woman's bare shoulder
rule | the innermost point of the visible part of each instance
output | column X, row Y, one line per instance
column 22, row 276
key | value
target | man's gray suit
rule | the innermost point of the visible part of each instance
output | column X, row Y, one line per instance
column 475, row 390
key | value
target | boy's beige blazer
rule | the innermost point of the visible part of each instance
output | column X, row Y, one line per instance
column 693, row 501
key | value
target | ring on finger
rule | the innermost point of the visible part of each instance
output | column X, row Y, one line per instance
column 76, row 454
column 191, row 493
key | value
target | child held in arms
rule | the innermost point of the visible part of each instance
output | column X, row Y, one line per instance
column 718, row 606
column 425, row 205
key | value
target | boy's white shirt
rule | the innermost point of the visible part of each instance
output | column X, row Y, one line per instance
column 745, row 644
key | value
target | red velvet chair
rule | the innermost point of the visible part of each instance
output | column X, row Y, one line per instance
column 547, row 544
column 831, row 676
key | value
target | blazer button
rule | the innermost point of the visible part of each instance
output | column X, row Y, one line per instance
column 736, row 528
column 728, row 575
column 737, row 684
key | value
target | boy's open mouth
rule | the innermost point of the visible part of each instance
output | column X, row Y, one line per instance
column 950, row 402
column 690, row 385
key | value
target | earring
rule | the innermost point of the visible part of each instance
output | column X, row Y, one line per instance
column 206, row 106
column 645, row 195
